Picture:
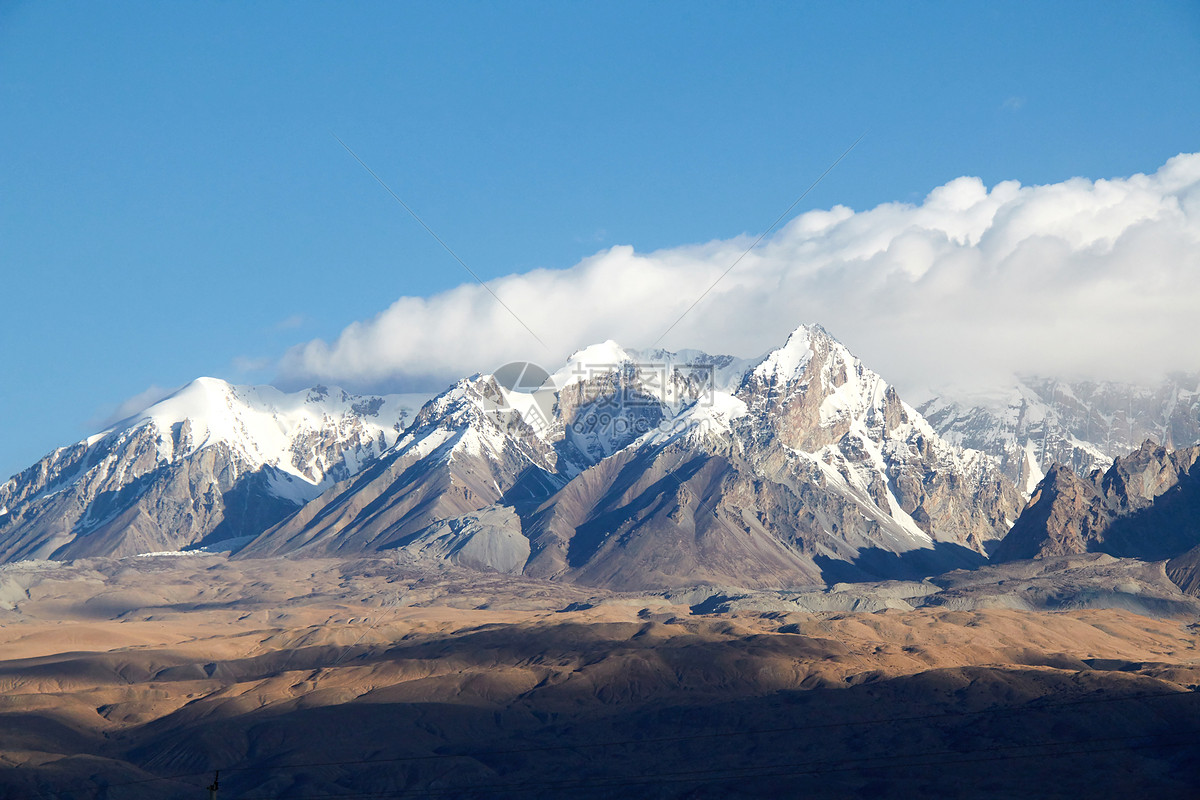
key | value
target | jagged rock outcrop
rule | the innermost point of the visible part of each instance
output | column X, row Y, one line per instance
column 1146, row 505
column 1065, row 516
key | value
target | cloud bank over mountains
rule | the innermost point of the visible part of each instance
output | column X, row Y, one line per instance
column 1079, row 279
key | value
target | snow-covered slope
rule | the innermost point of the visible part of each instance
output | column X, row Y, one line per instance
column 166, row 477
column 313, row 436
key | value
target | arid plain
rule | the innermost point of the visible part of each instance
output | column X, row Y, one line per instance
column 140, row 677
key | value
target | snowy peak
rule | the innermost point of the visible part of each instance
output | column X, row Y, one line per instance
column 814, row 364
column 264, row 425
column 597, row 359
column 164, row 478
column 479, row 417
column 813, row 390
column 788, row 363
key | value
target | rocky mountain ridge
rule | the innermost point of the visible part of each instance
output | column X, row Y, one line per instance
column 1145, row 506
column 624, row 469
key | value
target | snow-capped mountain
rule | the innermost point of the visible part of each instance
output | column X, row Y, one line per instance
column 1084, row 425
column 211, row 462
column 622, row 468
column 635, row 469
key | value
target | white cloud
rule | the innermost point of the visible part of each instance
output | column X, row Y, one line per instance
column 1077, row 279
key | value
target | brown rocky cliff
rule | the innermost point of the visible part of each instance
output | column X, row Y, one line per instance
column 1147, row 505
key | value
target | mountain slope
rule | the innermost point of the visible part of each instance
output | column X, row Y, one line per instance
column 209, row 463
column 455, row 458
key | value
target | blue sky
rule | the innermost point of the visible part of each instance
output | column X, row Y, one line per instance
column 173, row 204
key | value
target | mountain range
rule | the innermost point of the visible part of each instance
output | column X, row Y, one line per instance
column 660, row 469
column 623, row 469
